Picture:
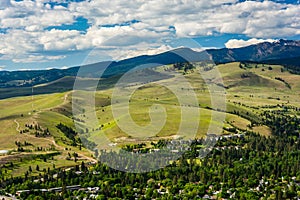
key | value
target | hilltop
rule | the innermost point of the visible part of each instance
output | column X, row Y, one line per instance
column 284, row 52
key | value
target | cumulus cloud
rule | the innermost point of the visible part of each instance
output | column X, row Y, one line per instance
column 27, row 23
column 234, row 43
column 141, row 49
column 36, row 58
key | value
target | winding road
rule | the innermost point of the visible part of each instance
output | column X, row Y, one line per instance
column 18, row 126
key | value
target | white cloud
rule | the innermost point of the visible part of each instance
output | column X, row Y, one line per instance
column 234, row 43
column 59, row 40
column 27, row 23
column 36, row 58
column 141, row 49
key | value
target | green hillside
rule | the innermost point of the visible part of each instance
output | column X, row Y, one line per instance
column 251, row 89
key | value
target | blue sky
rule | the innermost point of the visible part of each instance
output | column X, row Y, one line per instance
column 40, row 34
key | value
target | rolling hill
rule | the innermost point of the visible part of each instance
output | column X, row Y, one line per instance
column 18, row 83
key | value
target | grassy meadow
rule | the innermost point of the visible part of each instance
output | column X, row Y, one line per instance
column 249, row 89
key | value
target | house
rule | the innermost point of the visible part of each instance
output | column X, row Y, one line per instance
column 18, row 193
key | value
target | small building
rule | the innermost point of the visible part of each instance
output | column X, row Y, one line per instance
column 18, row 193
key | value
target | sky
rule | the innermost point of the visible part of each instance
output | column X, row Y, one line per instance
column 45, row 34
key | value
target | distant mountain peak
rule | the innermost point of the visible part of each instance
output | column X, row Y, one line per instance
column 280, row 49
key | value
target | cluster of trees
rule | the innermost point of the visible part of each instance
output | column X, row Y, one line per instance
column 184, row 66
column 282, row 80
column 70, row 134
column 245, row 65
column 282, row 123
column 294, row 69
column 88, row 144
column 20, row 146
column 253, row 118
column 132, row 147
column 37, row 130
column 248, row 167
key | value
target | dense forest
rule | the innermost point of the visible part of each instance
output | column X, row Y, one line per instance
column 248, row 166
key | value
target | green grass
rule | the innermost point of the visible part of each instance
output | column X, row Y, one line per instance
column 23, row 110
column 20, row 167
column 242, row 97
column 40, row 109
column 246, row 95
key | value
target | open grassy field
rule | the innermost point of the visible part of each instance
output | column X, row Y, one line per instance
column 241, row 97
column 259, row 87
column 16, row 112
column 38, row 109
column 249, row 90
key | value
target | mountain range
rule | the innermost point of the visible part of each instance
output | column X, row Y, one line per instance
column 281, row 49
